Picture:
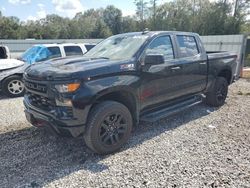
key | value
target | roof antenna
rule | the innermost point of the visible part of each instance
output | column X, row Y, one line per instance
column 146, row 30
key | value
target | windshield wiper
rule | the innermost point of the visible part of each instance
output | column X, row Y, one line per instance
column 99, row 58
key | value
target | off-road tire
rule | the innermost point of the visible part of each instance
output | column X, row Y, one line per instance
column 97, row 120
column 217, row 96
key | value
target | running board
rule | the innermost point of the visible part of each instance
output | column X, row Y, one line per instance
column 170, row 110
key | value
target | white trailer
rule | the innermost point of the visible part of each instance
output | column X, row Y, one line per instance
column 231, row 43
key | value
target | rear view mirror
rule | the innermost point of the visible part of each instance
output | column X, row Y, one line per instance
column 154, row 59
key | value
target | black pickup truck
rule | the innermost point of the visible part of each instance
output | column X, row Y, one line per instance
column 129, row 77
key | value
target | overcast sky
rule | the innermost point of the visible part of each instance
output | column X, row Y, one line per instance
column 35, row 9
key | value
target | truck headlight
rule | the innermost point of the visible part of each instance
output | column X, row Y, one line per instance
column 67, row 88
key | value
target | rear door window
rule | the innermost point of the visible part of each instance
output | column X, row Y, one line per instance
column 161, row 46
column 188, row 46
column 54, row 52
column 72, row 50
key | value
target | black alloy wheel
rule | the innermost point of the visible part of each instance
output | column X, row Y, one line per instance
column 218, row 94
column 109, row 127
column 112, row 129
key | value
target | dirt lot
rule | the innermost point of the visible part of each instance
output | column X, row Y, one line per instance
column 200, row 147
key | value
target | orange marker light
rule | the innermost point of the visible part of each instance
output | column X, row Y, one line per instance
column 73, row 87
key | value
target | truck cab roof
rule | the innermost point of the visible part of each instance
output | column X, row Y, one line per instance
column 152, row 33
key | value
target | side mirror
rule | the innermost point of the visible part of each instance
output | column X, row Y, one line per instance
column 154, row 59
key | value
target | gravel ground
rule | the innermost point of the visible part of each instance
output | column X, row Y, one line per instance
column 200, row 147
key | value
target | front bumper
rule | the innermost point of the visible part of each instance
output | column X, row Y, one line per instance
column 74, row 126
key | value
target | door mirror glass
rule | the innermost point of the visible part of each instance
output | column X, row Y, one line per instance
column 154, row 59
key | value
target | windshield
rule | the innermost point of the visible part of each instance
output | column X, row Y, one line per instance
column 118, row 47
column 31, row 53
column 36, row 54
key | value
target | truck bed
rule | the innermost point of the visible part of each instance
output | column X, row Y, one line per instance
column 220, row 55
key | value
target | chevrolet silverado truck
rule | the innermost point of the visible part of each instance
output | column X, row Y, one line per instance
column 127, row 78
column 11, row 70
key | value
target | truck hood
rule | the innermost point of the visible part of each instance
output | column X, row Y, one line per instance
column 77, row 68
column 10, row 63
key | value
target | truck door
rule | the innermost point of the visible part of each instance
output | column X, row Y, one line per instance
column 193, row 63
column 160, row 82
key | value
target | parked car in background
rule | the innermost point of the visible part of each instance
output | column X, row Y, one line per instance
column 11, row 70
column 45, row 52
column 4, row 52
column 123, row 79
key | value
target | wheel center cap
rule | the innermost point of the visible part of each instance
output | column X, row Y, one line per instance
column 16, row 87
column 112, row 127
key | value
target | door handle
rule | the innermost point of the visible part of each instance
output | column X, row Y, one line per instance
column 176, row 68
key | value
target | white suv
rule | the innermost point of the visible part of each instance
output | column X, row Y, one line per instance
column 11, row 70
column 43, row 52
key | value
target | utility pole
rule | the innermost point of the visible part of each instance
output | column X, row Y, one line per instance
column 142, row 13
column 141, row 8
column 236, row 7
column 154, row 14
column 193, row 7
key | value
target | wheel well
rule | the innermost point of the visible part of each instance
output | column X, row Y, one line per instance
column 17, row 74
column 123, row 97
column 227, row 74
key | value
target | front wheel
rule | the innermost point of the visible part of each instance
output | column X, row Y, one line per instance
column 109, row 127
column 217, row 96
column 13, row 86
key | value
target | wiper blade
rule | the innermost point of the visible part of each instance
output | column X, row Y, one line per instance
column 99, row 58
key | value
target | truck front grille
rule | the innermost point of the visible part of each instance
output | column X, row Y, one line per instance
column 41, row 102
column 49, row 105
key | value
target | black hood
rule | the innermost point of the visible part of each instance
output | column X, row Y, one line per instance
column 75, row 68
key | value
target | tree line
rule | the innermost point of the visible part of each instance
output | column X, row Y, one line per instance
column 202, row 16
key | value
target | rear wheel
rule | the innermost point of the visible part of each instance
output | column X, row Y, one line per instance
column 13, row 86
column 109, row 127
column 218, row 94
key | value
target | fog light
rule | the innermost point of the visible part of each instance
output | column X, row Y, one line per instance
column 65, row 102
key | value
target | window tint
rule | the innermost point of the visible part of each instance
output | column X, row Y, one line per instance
column 161, row 46
column 188, row 46
column 54, row 52
column 73, row 50
column 89, row 46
